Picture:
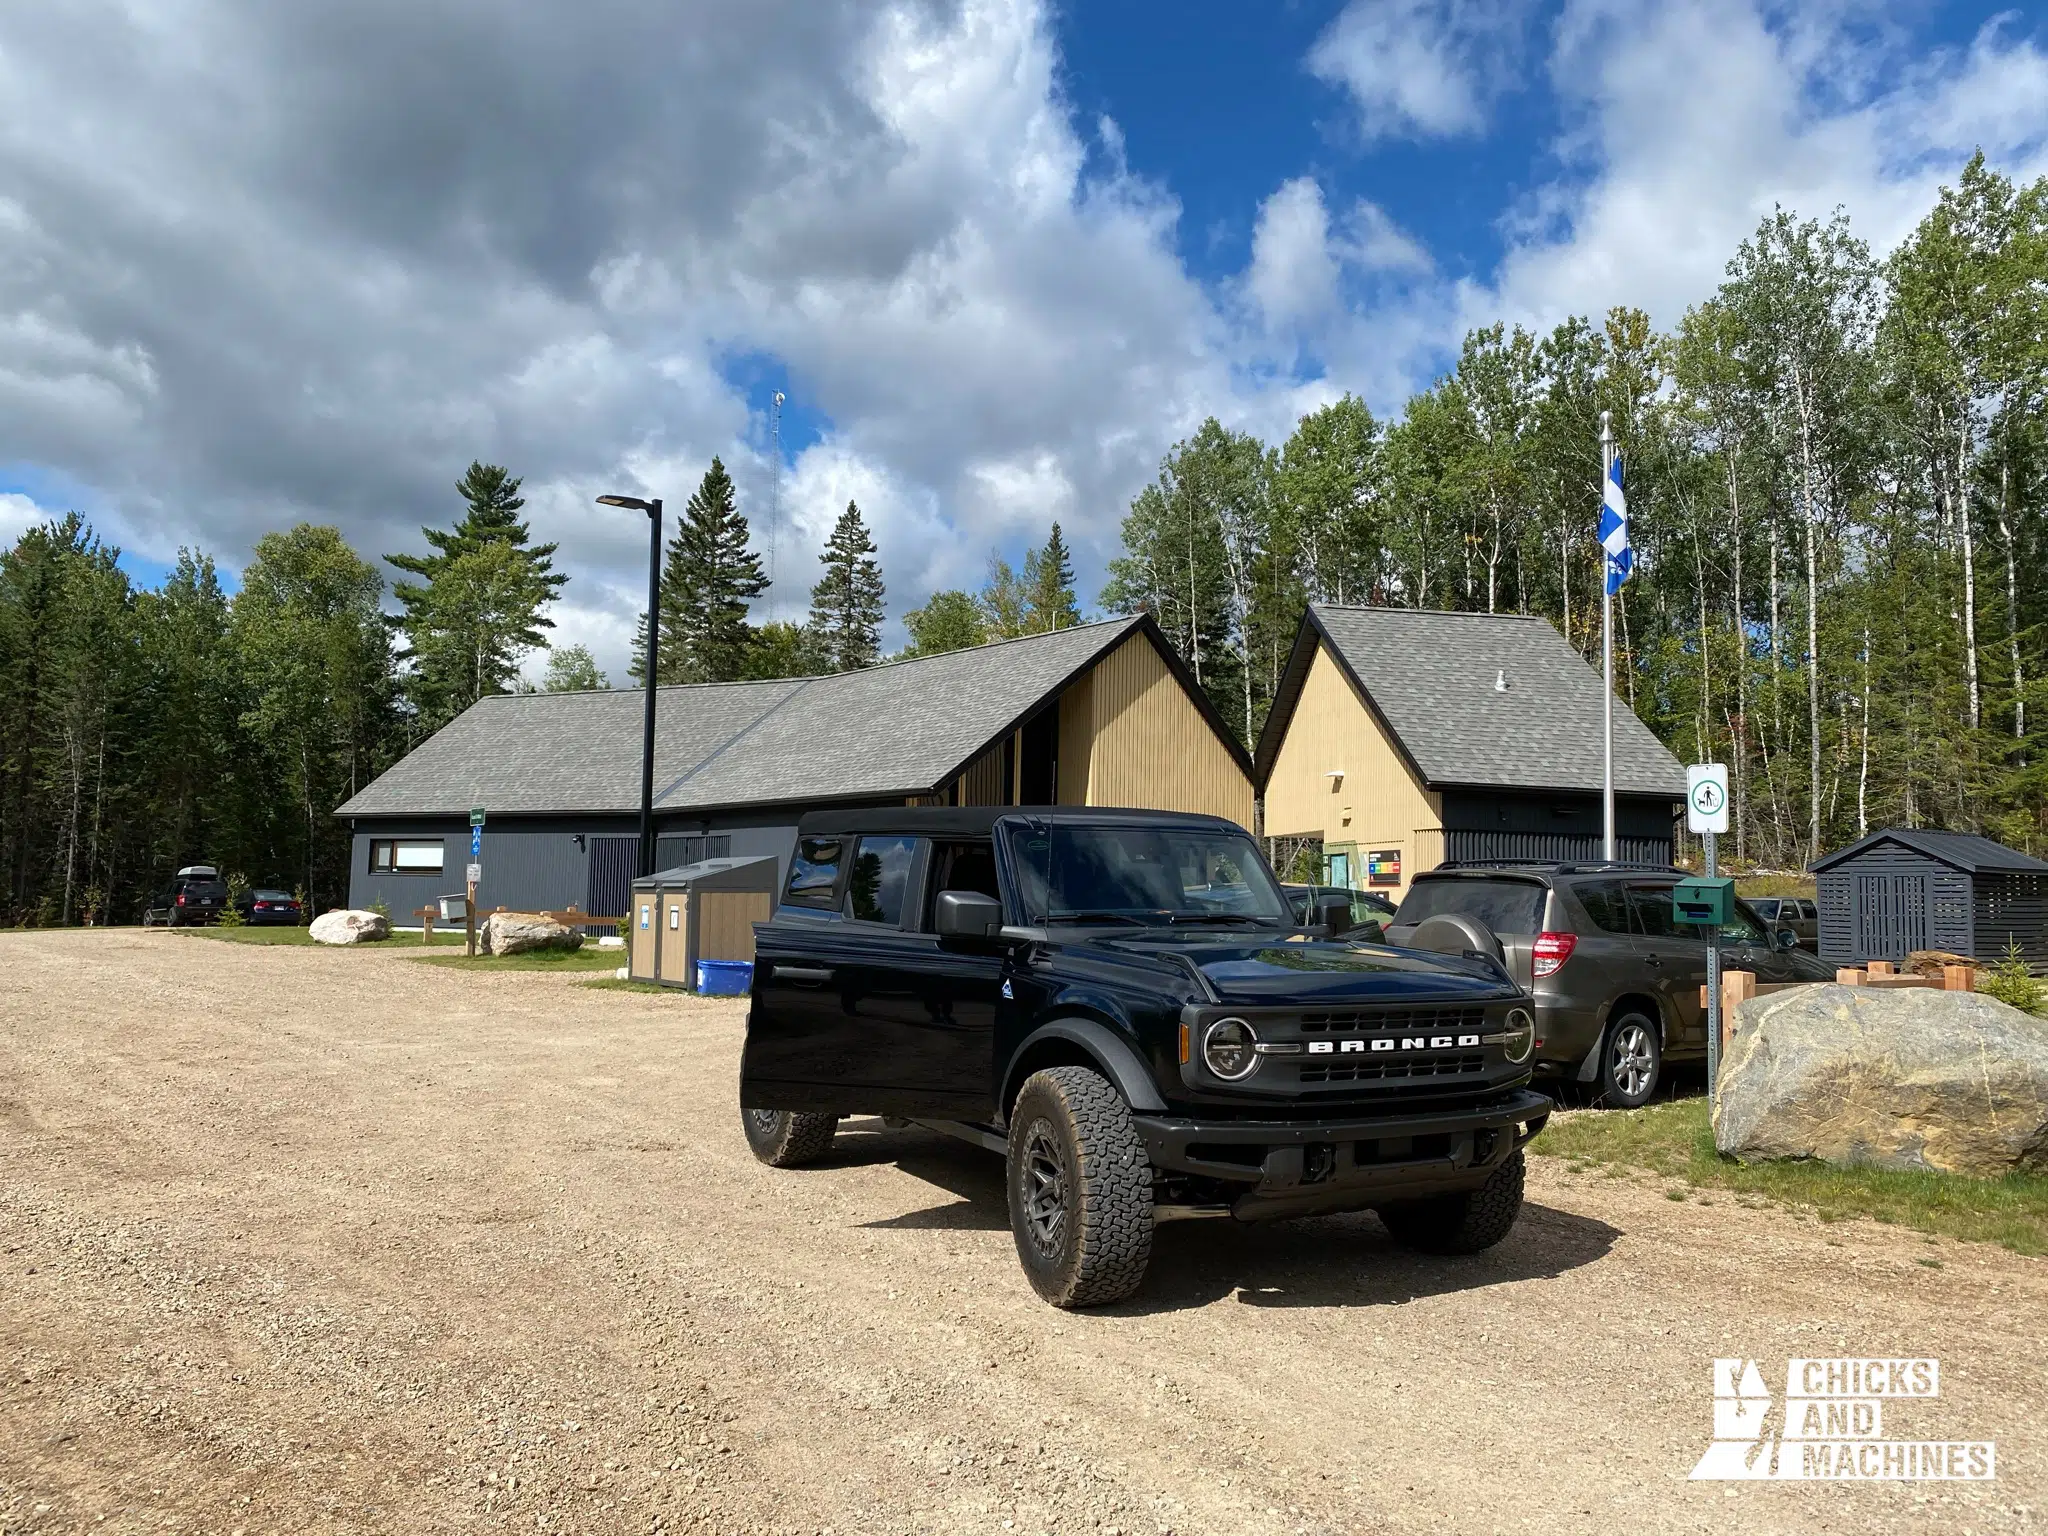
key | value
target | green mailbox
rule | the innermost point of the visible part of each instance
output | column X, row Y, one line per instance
column 1704, row 903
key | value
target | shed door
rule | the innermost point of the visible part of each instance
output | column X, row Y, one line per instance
column 611, row 875
column 1891, row 916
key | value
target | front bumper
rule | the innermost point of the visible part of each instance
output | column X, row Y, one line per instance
column 1313, row 1167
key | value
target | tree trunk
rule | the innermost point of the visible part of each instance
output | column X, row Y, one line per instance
column 1740, row 725
column 1968, row 535
column 2012, row 600
column 1812, row 630
column 1863, row 777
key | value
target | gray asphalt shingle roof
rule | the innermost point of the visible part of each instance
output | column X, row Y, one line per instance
column 1433, row 678
column 897, row 729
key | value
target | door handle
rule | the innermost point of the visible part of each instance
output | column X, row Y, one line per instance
column 813, row 974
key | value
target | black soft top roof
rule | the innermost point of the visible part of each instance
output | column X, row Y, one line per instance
column 980, row 820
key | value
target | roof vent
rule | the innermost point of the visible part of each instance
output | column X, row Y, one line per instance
column 1500, row 681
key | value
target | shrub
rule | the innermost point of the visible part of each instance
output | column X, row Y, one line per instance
column 305, row 907
column 2010, row 981
column 382, row 908
column 231, row 909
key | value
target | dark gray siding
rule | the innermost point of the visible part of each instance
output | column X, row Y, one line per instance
column 535, row 863
column 1509, row 824
column 1888, row 901
column 2011, row 909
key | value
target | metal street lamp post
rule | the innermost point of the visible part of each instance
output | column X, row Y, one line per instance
column 653, row 510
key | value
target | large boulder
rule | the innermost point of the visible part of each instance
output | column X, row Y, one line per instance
column 514, row 933
column 347, row 926
column 1886, row 1078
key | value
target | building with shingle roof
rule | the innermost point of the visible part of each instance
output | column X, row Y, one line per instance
column 1402, row 737
column 1095, row 714
column 1907, row 888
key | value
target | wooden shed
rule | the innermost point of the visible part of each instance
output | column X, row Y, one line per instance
column 703, row 911
column 1904, row 889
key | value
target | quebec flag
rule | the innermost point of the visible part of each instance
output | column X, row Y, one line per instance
column 1614, row 529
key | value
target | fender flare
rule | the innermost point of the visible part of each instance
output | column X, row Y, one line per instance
column 1119, row 1062
column 1589, row 1069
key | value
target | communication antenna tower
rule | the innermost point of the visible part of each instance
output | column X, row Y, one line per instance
column 774, row 496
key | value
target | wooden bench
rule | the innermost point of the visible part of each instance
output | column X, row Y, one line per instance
column 1738, row 985
column 573, row 917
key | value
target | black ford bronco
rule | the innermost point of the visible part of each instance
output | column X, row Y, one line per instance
column 1124, row 1004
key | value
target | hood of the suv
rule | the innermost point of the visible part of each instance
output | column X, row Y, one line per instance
column 1275, row 970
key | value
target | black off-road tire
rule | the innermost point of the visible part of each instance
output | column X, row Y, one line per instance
column 1080, row 1189
column 1461, row 1224
column 1631, row 1062
column 783, row 1139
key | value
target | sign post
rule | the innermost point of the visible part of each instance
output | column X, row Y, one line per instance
column 1706, row 812
column 476, row 871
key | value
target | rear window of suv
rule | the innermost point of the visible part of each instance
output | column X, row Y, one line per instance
column 1505, row 906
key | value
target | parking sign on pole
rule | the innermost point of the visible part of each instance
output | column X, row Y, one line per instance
column 1706, row 812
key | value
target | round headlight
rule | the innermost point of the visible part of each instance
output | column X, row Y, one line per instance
column 1230, row 1049
column 1518, row 1038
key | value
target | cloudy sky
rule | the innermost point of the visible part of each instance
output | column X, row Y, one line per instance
column 262, row 263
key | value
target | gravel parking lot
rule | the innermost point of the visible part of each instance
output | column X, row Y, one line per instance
column 305, row 1240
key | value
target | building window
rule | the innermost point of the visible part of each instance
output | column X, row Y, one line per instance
column 405, row 856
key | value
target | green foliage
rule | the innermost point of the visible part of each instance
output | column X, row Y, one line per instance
column 846, row 604
column 2013, row 983
column 781, row 649
column 231, row 910
column 478, row 607
column 948, row 621
column 381, row 907
column 1048, row 587
column 572, row 669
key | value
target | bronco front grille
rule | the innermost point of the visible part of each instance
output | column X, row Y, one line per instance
column 1418, row 1019
column 1376, row 1071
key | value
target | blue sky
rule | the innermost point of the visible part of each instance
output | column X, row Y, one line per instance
column 999, row 254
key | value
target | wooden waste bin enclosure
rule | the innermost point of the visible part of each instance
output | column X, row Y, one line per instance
column 702, row 911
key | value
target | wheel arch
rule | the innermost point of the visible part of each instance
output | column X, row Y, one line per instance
column 1644, row 1003
column 1082, row 1042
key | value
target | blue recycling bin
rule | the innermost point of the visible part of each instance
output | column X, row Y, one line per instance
column 725, row 978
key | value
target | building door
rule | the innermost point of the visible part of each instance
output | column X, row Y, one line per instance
column 1340, row 869
column 611, row 875
column 1891, row 916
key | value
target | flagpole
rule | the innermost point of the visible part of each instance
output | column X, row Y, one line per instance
column 1606, row 655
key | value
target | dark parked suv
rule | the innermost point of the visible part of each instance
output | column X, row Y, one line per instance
column 1125, row 1006
column 1616, row 980
column 194, row 895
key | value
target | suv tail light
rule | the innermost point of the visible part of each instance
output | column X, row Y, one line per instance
column 1550, row 951
column 181, row 898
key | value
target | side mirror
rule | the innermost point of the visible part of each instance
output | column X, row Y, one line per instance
column 967, row 915
column 1785, row 939
column 1333, row 914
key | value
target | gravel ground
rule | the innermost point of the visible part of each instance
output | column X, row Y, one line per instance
column 306, row 1240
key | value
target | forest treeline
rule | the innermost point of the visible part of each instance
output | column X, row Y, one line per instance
column 1837, row 480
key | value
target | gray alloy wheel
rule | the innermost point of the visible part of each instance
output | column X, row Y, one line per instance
column 783, row 1139
column 1631, row 1061
column 1080, row 1189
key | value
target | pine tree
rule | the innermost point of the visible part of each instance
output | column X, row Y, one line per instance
column 1049, row 587
column 452, row 672
column 707, row 583
column 846, row 605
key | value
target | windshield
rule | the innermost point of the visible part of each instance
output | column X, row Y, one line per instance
column 1141, row 874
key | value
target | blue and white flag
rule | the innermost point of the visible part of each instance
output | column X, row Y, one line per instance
column 1614, row 529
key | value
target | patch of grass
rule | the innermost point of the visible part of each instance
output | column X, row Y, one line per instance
column 250, row 935
column 1675, row 1140
column 1775, row 885
column 614, row 984
column 588, row 958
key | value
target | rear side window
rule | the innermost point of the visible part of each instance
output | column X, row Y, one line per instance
column 881, row 874
column 1605, row 904
column 1505, row 906
column 1654, row 916
column 814, row 872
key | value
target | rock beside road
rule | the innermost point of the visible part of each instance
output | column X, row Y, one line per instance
column 349, row 927
column 1906, row 1078
column 515, row 933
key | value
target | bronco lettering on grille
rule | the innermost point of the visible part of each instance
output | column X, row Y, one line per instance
column 1393, row 1043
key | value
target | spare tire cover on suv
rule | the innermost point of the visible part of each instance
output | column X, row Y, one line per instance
column 1453, row 933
